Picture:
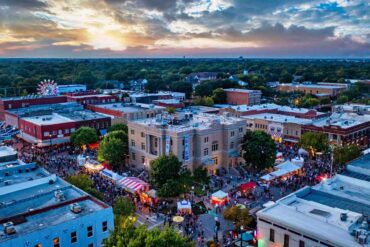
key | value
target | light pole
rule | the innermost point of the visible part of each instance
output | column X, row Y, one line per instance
column 50, row 139
column 241, row 235
column 331, row 148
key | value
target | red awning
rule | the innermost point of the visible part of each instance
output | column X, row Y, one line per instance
column 94, row 145
column 134, row 184
column 247, row 186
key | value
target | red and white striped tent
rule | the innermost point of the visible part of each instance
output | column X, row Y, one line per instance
column 133, row 184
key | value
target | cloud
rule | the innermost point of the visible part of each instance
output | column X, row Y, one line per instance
column 184, row 27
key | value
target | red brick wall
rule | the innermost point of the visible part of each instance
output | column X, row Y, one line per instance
column 237, row 98
column 103, row 110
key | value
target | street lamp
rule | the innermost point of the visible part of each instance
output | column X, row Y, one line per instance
column 331, row 148
column 241, row 235
column 50, row 139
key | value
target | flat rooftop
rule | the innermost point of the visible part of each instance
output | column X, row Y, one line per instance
column 240, row 90
column 71, row 85
column 343, row 120
column 32, row 96
column 39, row 109
column 314, row 86
column 199, row 121
column 7, row 151
column 270, row 106
column 33, row 205
column 278, row 118
column 129, row 108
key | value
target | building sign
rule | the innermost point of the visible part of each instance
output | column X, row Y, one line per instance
column 168, row 144
column 186, row 147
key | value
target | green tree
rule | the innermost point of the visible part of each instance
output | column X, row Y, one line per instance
column 83, row 182
column 314, row 142
column 344, row 154
column 240, row 217
column 127, row 235
column 118, row 126
column 123, row 207
column 259, row 150
column 163, row 169
column 342, row 99
column 114, row 148
column 183, row 87
column 84, row 136
column 200, row 175
column 219, row 96
column 171, row 110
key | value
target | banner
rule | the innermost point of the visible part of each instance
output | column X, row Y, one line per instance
column 168, row 144
column 186, row 147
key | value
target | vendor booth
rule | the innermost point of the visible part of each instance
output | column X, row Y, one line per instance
column 282, row 171
column 115, row 177
column 133, row 185
column 81, row 160
column 93, row 165
column 298, row 161
column 279, row 158
column 247, row 188
column 219, row 198
column 184, row 207
column 150, row 197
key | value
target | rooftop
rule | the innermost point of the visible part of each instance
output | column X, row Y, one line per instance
column 326, row 86
column 35, row 199
column 129, row 108
column 7, row 151
column 71, row 85
column 343, row 120
column 239, row 90
column 278, row 118
column 187, row 121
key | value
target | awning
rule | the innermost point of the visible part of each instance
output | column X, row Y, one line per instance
column 247, row 186
column 267, row 177
column 183, row 205
column 103, row 132
column 94, row 145
column 234, row 154
column 133, row 184
column 288, row 166
column 111, row 174
column 220, row 194
column 208, row 162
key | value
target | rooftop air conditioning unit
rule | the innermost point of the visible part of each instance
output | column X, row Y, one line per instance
column 59, row 195
column 343, row 216
column 362, row 239
column 9, row 228
column 8, row 182
column 76, row 208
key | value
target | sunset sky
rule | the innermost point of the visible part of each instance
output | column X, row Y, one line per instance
column 192, row 28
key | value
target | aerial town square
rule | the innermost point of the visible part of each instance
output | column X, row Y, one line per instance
column 184, row 123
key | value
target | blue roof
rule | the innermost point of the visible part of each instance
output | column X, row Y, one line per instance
column 363, row 161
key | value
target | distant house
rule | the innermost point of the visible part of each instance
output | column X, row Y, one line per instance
column 236, row 79
column 198, row 77
column 138, row 85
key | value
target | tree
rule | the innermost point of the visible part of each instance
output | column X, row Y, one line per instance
column 127, row 235
column 84, row 136
column 83, row 182
column 163, row 169
column 314, row 142
column 342, row 99
column 200, row 175
column 240, row 217
column 123, row 207
column 171, row 110
column 205, row 101
column 344, row 154
column 114, row 148
column 183, row 87
column 259, row 149
column 118, row 126
column 219, row 96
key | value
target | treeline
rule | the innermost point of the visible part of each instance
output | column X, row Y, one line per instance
column 22, row 76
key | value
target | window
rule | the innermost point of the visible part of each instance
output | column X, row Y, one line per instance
column 205, row 139
column 142, row 146
column 301, row 243
column 272, row 235
column 286, row 240
column 73, row 130
column 215, row 161
column 133, row 156
column 205, row 152
column 232, row 133
column 73, row 237
column 231, row 144
column 66, row 131
column 142, row 134
column 132, row 132
column 156, row 142
column 46, row 133
column 89, row 231
column 104, row 226
column 240, row 130
column 132, row 143
column 214, row 146
column 143, row 159
column 91, row 245
column 56, row 242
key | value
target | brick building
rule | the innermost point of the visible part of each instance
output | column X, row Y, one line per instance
column 85, row 98
column 321, row 88
column 235, row 96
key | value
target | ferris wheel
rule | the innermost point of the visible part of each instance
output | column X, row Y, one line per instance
column 47, row 88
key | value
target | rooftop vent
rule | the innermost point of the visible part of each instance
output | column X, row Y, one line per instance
column 59, row 195
column 343, row 216
column 8, row 182
column 76, row 208
column 9, row 228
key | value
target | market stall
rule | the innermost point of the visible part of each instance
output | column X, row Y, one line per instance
column 93, row 165
column 219, row 198
column 298, row 161
column 247, row 188
column 133, row 185
column 184, row 207
column 115, row 177
column 81, row 160
column 279, row 158
column 150, row 197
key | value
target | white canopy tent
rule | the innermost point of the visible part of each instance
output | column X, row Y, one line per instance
column 183, row 205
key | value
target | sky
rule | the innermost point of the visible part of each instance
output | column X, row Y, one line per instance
column 191, row 28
